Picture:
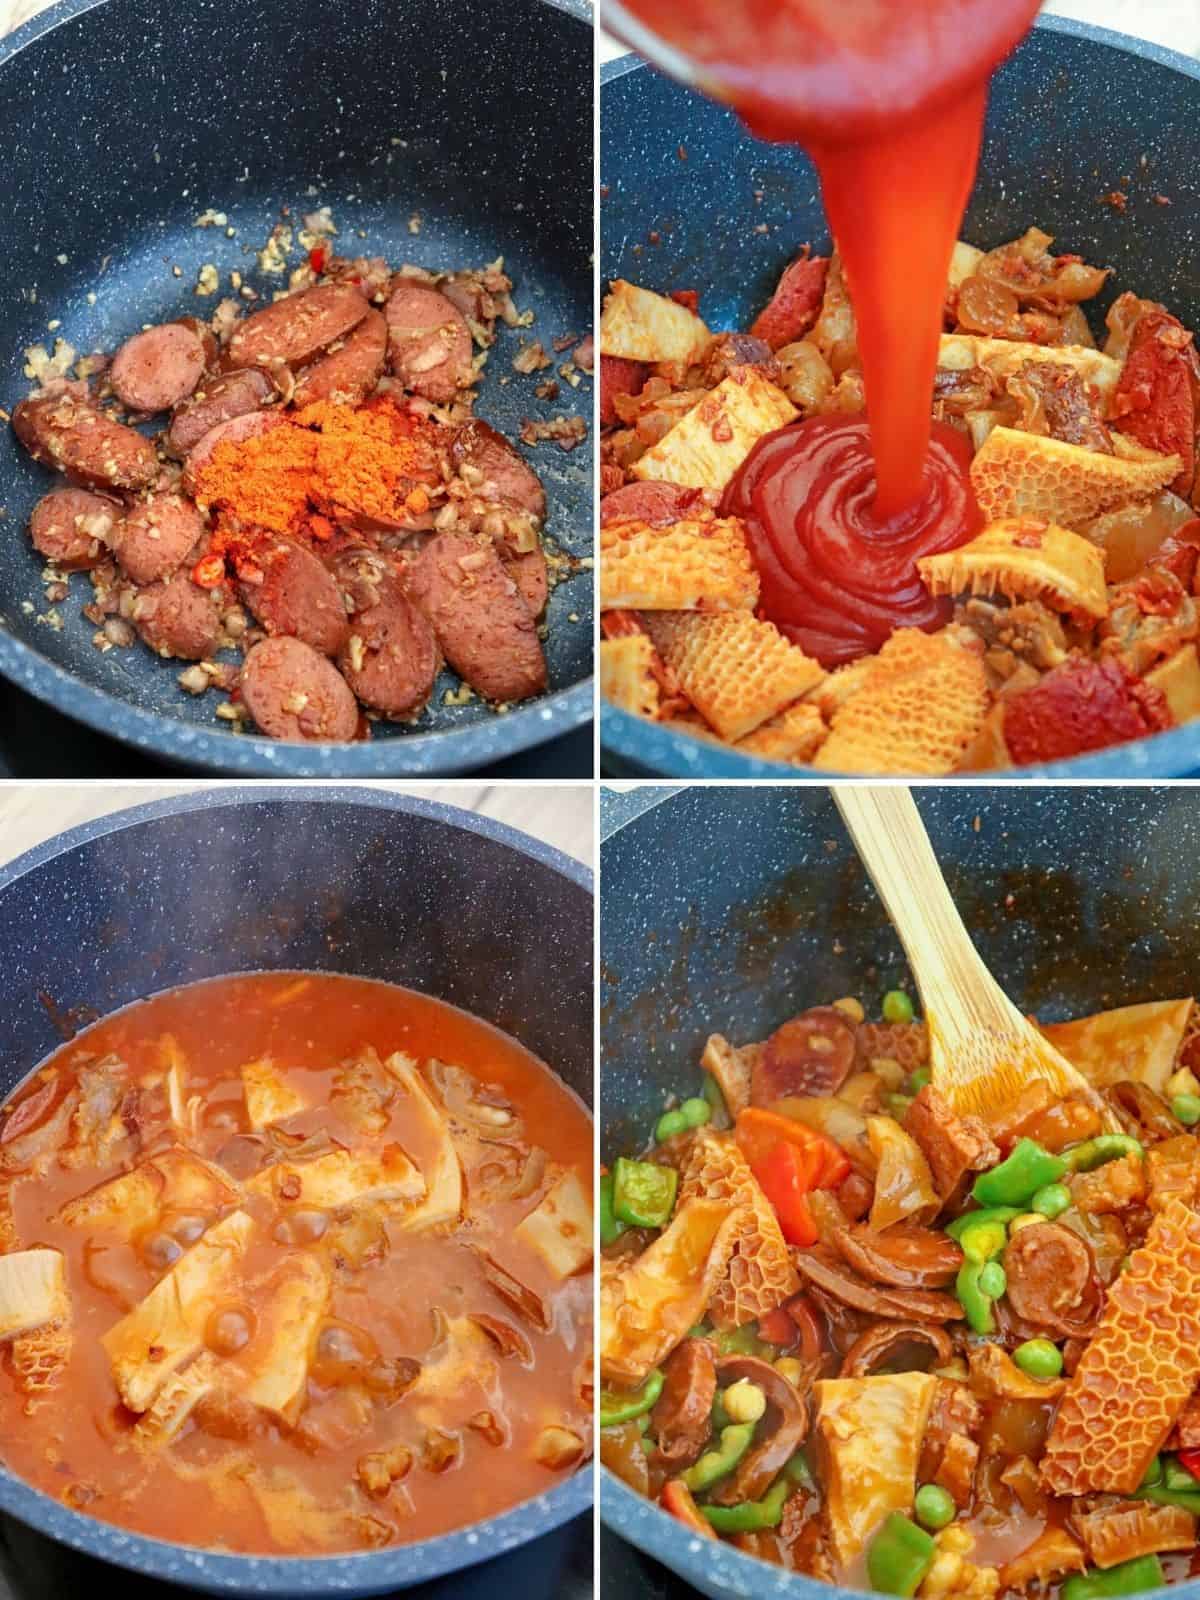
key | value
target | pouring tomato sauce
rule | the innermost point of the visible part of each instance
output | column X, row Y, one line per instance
column 888, row 98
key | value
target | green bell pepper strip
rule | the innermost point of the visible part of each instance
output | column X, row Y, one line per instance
column 985, row 1240
column 1154, row 1474
column 618, row 1408
column 977, row 1306
column 752, row 1516
column 1130, row 1577
column 643, row 1193
column 743, row 1341
column 798, row 1471
column 719, row 1463
column 899, row 1556
column 1015, row 1181
column 610, row 1228
column 1176, row 1476
column 978, row 1219
column 1190, row 1501
column 718, row 1418
column 1093, row 1153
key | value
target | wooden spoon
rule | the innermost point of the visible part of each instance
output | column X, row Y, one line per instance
column 982, row 1051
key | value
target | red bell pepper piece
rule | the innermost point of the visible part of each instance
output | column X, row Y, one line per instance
column 785, row 1175
column 1190, row 1460
column 677, row 1498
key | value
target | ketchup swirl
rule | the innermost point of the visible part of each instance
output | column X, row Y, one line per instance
column 835, row 580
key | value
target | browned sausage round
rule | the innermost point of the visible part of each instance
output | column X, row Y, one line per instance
column 156, row 536
column 298, row 596
column 811, row 1054
column 365, row 576
column 347, row 372
column 217, row 400
column 1049, row 1271
column 67, row 431
column 157, row 369
column 658, row 504
column 429, row 342
column 495, row 470
column 391, row 657
column 528, row 571
column 72, row 526
column 297, row 329
column 887, row 1341
column 484, row 627
column 294, row 693
column 178, row 618
column 237, row 430
column 681, row 1418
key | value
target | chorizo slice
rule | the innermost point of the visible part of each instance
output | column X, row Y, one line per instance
column 681, row 1418
column 298, row 596
column 1049, row 1272
column 220, row 399
column 158, row 533
column 160, row 367
column 176, row 617
column 71, row 527
column 429, row 342
column 391, row 657
column 66, row 431
column 486, row 631
column 531, row 576
column 810, row 1055
column 294, row 331
column 659, row 505
column 236, row 430
column 495, row 470
column 884, row 1342
column 294, row 693
column 349, row 369
column 618, row 376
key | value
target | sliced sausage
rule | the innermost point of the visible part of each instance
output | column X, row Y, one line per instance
column 157, row 369
column 531, row 576
column 811, row 1054
column 884, row 1342
column 618, row 376
column 251, row 425
column 681, row 1418
column 220, row 399
column 495, row 470
column 293, row 693
column 657, row 504
column 68, row 432
column 71, row 527
column 777, row 1437
column 1049, row 1270
column 297, row 329
column 178, row 618
column 905, row 1256
column 347, row 372
column 485, row 629
column 429, row 342
column 391, row 657
column 156, row 535
column 298, row 596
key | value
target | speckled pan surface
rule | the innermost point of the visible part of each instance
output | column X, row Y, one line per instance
column 728, row 909
column 126, row 119
column 1076, row 113
column 334, row 880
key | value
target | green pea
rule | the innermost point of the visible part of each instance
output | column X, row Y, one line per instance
column 668, row 1125
column 897, row 1007
column 918, row 1080
column 934, row 1507
column 1185, row 1108
column 1051, row 1201
column 695, row 1112
column 992, row 1280
column 1038, row 1358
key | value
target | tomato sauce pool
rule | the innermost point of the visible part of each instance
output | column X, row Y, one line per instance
column 888, row 97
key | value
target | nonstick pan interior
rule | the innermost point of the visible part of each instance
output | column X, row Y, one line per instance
column 438, row 132
column 691, row 201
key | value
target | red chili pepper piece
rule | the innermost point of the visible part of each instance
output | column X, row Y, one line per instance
column 316, row 258
column 209, row 572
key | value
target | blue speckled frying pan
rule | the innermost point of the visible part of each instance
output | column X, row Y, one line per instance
column 328, row 880
column 1076, row 113
column 126, row 119
column 727, row 909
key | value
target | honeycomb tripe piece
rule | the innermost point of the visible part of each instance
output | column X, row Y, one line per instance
column 737, row 672
column 959, row 352
column 916, row 711
column 688, row 566
column 39, row 1361
column 1025, row 558
column 1028, row 475
column 793, row 737
column 1139, row 1368
column 627, row 674
column 174, row 1403
column 709, row 443
column 638, row 325
column 732, row 1066
column 760, row 1275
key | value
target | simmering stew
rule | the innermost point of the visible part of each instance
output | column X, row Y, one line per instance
column 294, row 1264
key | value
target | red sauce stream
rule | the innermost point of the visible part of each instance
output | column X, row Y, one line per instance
column 888, row 96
